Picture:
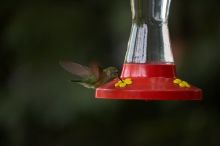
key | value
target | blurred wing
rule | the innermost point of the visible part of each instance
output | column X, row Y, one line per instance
column 96, row 70
column 76, row 69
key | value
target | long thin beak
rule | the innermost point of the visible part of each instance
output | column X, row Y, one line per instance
column 120, row 78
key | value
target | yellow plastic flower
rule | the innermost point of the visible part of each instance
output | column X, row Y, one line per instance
column 123, row 83
column 186, row 84
column 177, row 81
column 128, row 81
column 182, row 84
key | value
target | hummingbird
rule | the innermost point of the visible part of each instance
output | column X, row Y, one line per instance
column 90, row 77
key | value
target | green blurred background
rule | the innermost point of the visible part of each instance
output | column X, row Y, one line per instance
column 40, row 107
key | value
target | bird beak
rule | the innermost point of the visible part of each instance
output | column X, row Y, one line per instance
column 119, row 78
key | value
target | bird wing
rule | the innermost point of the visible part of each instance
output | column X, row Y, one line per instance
column 96, row 70
column 76, row 69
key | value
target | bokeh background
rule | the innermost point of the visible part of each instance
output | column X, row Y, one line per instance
column 40, row 107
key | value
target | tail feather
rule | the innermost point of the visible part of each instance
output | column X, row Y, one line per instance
column 76, row 81
column 83, row 84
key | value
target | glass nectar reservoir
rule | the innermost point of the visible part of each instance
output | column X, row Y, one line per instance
column 149, row 71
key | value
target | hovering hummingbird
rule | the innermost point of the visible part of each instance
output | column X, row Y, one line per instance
column 91, row 77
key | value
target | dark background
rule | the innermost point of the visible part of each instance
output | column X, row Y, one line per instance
column 40, row 107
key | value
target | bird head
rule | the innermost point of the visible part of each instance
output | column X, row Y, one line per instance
column 112, row 72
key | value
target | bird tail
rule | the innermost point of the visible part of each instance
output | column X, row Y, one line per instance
column 76, row 81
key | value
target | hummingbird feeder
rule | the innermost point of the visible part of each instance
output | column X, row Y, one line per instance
column 149, row 71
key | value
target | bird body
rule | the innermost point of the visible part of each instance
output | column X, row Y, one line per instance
column 90, row 77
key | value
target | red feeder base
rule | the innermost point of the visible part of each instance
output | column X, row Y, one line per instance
column 149, row 82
